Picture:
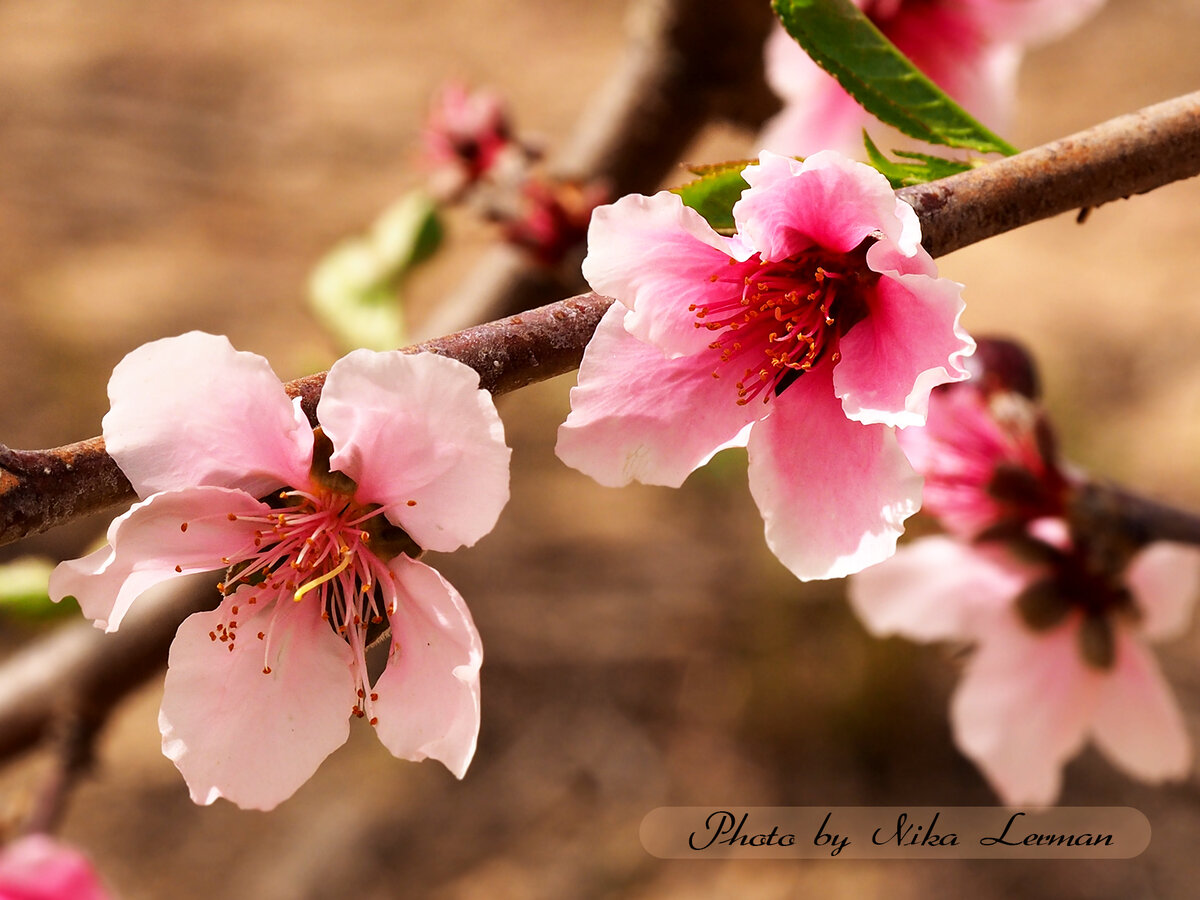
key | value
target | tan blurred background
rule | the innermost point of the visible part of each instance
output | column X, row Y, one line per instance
column 169, row 165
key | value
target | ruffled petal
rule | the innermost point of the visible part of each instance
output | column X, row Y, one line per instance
column 827, row 201
column 909, row 342
column 834, row 494
column 167, row 536
column 935, row 589
column 191, row 410
column 428, row 696
column 1165, row 580
column 658, row 257
column 422, row 440
column 1022, row 709
column 636, row 415
column 1137, row 722
column 238, row 732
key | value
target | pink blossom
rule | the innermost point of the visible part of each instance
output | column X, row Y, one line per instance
column 987, row 459
column 317, row 534
column 466, row 135
column 38, row 867
column 970, row 48
column 807, row 336
column 1060, row 652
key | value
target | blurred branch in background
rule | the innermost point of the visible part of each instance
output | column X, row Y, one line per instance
column 687, row 63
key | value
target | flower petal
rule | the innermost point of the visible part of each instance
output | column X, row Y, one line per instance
column 908, row 343
column 827, row 200
column 1029, row 21
column 167, row 536
column 935, row 589
column 834, row 494
column 636, row 415
column 37, row 867
column 1022, row 709
column 1165, row 580
column 428, row 704
column 817, row 114
column 1137, row 722
column 658, row 257
column 422, row 440
column 191, row 410
column 238, row 732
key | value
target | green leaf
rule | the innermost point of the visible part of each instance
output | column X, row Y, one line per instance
column 714, row 193
column 23, row 590
column 354, row 288
column 842, row 41
column 926, row 168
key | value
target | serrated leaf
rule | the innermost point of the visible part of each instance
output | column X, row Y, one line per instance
column 844, row 42
column 714, row 193
column 926, row 168
column 354, row 288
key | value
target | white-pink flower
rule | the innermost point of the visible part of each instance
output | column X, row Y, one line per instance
column 807, row 336
column 1060, row 652
column 970, row 48
column 316, row 533
column 37, row 867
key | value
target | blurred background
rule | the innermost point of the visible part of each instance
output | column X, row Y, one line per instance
column 168, row 166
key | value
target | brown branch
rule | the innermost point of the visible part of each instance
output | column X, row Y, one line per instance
column 1128, row 155
column 686, row 62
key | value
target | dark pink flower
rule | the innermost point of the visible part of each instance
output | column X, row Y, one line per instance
column 317, row 533
column 808, row 335
column 466, row 135
column 38, row 867
column 970, row 48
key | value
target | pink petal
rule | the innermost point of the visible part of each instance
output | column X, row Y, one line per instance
column 1022, row 709
column 817, row 114
column 421, row 439
column 657, row 257
column 37, row 867
column 827, row 201
column 1165, row 579
column 909, row 342
column 1029, row 21
column 834, row 494
column 1137, row 722
column 637, row 415
column 428, row 704
column 252, row 737
column 191, row 410
column 149, row 545
column 935, row 589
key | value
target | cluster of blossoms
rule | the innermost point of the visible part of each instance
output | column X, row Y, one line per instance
column 970, row 48
column 1057, row 606
column 809, row 336
column 474, row 155
column 317, row 532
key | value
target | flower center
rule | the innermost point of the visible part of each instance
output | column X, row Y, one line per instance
column 779, row 319
column 321, row 546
